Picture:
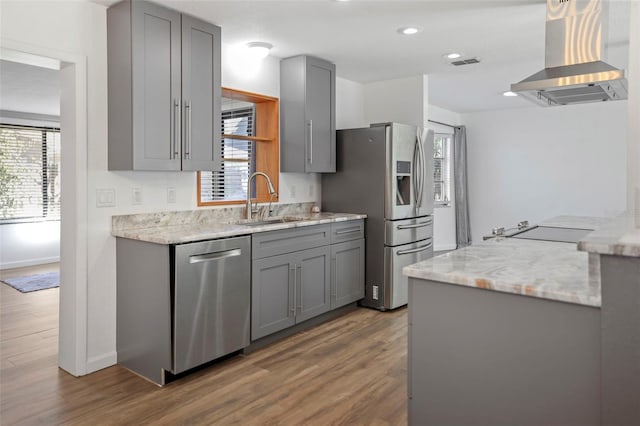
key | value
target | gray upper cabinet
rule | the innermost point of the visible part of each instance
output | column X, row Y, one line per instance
column 308, row 125
column 164, row 89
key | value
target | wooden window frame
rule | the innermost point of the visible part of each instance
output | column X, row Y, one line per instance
column 267, row 143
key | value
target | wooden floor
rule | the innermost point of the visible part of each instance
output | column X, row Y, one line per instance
column 348, row 371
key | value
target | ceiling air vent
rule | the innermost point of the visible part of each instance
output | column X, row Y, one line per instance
column 465, row 62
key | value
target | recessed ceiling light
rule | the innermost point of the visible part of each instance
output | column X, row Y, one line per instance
column 453, row 55
column 509, row 93
column 258, row 49
column 409, row 30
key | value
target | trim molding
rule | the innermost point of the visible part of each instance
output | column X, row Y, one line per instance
column 96, row 363
column 29, row 262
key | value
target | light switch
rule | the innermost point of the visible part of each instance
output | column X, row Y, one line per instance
column 105, row 197
column 136, row 196
column 171, row 195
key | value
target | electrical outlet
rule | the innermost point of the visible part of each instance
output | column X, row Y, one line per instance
column 171, row 195
column 136, row 196
column 105, row 197
column 311, row 190
column 375, row 292
column 292, row 191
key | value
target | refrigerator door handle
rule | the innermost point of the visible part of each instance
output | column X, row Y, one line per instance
column 422, row 167
column 415, row 250
column 417, row 225
column 414, row 175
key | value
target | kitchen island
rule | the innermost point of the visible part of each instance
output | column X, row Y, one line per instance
column 506, row 331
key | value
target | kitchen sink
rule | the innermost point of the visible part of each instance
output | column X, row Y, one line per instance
column 253, row 222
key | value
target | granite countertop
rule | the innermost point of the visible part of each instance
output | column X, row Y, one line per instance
column 620, row 237
column 542, row 269
column 179, row 234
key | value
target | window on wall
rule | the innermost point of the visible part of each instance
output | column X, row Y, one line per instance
column 249, row 144
column 442, row 169
column 29, row 173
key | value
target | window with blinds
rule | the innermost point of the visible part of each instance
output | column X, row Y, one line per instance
column 238, row 157
column 442, row 169
column 29, row 173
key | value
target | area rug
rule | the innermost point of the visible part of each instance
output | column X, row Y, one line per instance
column 36, row 282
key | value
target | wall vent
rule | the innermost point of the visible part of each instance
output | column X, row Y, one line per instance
column 465, row 62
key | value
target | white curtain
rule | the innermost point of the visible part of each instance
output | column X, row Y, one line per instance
column 463, row 228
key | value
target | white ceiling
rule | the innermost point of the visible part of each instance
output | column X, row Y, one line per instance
column 361, row 38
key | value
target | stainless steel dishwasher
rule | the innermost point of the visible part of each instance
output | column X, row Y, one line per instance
column 211, row 300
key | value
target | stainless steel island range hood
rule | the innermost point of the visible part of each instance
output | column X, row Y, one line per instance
column 574, row 71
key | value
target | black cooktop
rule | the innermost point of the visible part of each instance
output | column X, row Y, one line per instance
column 548, row 233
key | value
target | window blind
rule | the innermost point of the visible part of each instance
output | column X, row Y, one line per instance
column 238, row 158
column 29, row 173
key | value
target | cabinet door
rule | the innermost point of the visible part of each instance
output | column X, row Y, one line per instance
column 272, row 295
column 156, row 87
column 201, row 149
column 312, row 280
column 347, row 273
column 320, row 116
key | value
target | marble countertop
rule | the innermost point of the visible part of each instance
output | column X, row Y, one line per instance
column 620, row 237
column 542, row 269
column 179, row 234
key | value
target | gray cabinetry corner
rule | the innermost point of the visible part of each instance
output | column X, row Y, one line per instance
column 163, row 89
column 308, row 125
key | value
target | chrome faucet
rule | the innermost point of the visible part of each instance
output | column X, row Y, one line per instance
column 272, row 191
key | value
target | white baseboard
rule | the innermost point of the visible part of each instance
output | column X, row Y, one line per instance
column 103, row 361
column 444, row 247
column 29, row 262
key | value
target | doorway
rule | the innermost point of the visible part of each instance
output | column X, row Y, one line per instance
column 72, row 306
column 29, row 213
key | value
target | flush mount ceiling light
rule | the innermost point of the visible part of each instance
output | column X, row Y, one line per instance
column 409, row 30
column 509, row 93
column 453, row 55
column 258, row 49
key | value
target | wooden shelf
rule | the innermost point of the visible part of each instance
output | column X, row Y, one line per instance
column 247, row 138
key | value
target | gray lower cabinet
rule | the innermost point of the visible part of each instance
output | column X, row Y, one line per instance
column 308, row 124
column 347, row 278
column 300, row 273
column 164, row 72
column 288, row 289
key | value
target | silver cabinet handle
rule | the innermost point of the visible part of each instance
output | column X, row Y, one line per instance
column 348, row 231
column 187, row 144
column 176, row 129
column 216, row 255
column 417, row 225
column 415, row 250
column 334, row 287
column 295, row 284
column 310, row 141
column 301, row 290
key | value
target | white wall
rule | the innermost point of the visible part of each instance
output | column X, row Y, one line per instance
column 535, row 163
column 444, row 217
column 26, row 244
column 349, row 104
column 403, row 100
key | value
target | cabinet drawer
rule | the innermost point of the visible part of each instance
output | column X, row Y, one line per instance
column 347, row 231
column 289, row 240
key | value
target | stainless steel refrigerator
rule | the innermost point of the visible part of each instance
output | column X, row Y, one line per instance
column 386, row 171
